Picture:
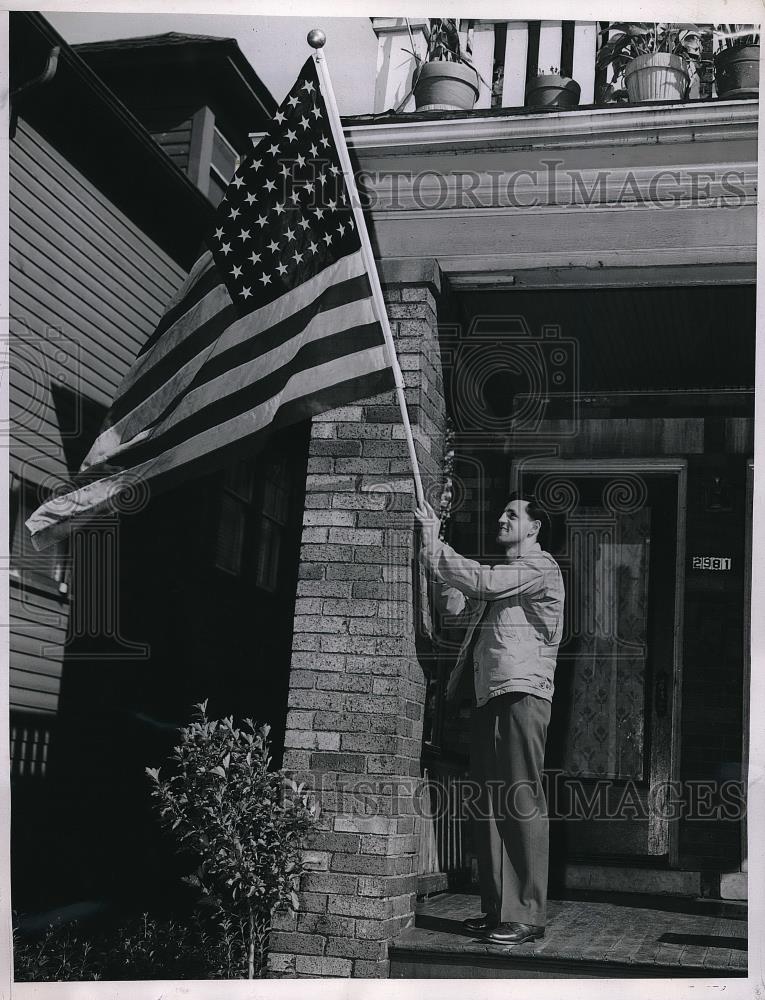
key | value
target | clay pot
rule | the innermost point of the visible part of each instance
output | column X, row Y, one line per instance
column 737, row 72
column 446, row 86
column 656, row 76
column 552, row 91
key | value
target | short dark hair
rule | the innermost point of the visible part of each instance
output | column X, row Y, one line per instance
column 535, row 510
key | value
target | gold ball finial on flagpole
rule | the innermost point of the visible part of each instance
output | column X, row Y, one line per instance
column 316, row 38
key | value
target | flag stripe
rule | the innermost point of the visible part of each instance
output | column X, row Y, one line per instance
column 263, row 318
column 232, row 378
column 189, row 358
column 213, row 303
column 339, row 374
column 202, row 382
column 304, row 386
column 334, row 347
column 239, row 346
column 190, row 349
column 201, row 279
column 50, row 522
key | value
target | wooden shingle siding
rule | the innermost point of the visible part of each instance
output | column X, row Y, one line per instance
column 87, row 287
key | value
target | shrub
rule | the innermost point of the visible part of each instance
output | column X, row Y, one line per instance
column 141, row 948
column 244, row 822
column 58, row 955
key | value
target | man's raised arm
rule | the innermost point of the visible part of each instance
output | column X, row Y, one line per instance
column 481, row 583
column 485, row 583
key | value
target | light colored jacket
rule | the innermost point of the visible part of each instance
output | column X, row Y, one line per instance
column 513, row 610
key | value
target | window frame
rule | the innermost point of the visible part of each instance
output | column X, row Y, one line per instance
column 24, row 561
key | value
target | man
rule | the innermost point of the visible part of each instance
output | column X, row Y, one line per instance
column 514, row 615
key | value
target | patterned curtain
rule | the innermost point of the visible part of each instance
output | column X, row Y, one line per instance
column 610, row 561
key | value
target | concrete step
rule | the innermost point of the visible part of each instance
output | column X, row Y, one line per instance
column 635, row 879
column 584, row 939
column 700, row 905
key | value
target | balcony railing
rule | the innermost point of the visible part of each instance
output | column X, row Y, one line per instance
column 506, row 54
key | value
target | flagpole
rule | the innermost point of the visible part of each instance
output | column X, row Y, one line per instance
column 316, row 40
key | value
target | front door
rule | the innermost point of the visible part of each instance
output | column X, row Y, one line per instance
column 610, row 743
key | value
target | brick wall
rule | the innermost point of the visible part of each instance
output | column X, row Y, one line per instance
column 354, row 724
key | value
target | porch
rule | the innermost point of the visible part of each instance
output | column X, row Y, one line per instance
column 548, row 225
column 588, row 936
column 507, row 54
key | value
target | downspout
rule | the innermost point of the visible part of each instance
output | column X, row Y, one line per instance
column 45, row 77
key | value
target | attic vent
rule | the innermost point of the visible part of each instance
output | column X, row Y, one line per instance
column 176, row 142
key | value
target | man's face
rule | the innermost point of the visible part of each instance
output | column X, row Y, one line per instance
column 514, row 523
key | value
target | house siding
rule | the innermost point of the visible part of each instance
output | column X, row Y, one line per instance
column 86, row 289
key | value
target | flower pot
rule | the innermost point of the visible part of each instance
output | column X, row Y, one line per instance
column 446, row 86
column 737, row 72
column 656, row 76
column 552, row 91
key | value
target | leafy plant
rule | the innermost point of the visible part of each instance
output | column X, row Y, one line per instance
column 58, row 955
column 442, row 45
column 443, row 40
column 141, row 948
column 633, row 39
column 637, row 39
column 735, row 36
column 243, row 821
column 552, row 71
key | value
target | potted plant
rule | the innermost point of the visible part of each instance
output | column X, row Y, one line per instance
column 551, row 90
column 654, row 60
column 737, row 61
column 446, row 78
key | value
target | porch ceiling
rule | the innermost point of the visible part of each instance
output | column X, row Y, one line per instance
column 634, row 339
column 658, row 195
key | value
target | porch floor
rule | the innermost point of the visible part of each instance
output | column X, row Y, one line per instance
column 583, row 939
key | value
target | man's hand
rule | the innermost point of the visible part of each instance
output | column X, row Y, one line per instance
column 430, row 523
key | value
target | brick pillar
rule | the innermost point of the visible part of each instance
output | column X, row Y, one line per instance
column 354, row 725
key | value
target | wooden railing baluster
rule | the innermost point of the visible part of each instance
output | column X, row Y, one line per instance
column 585, row 39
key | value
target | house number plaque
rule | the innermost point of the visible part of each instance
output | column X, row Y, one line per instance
column 711, row 562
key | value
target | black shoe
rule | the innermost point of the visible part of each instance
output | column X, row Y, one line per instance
column 480, row 924
column 515, row 933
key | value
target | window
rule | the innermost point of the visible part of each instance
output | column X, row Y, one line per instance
column 273, row 521
column 46, row 570
column 248, row 515
column 223, row 163
column 235, row 501
column 30, row 743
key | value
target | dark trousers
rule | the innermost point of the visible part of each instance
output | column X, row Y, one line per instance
column 510, row 821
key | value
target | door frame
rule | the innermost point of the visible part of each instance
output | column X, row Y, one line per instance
column 648, row 466
column 746, row 708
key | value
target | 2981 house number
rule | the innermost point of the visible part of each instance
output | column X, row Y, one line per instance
column 711, row 562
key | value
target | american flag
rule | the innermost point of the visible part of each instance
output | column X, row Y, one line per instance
column 274, row 323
